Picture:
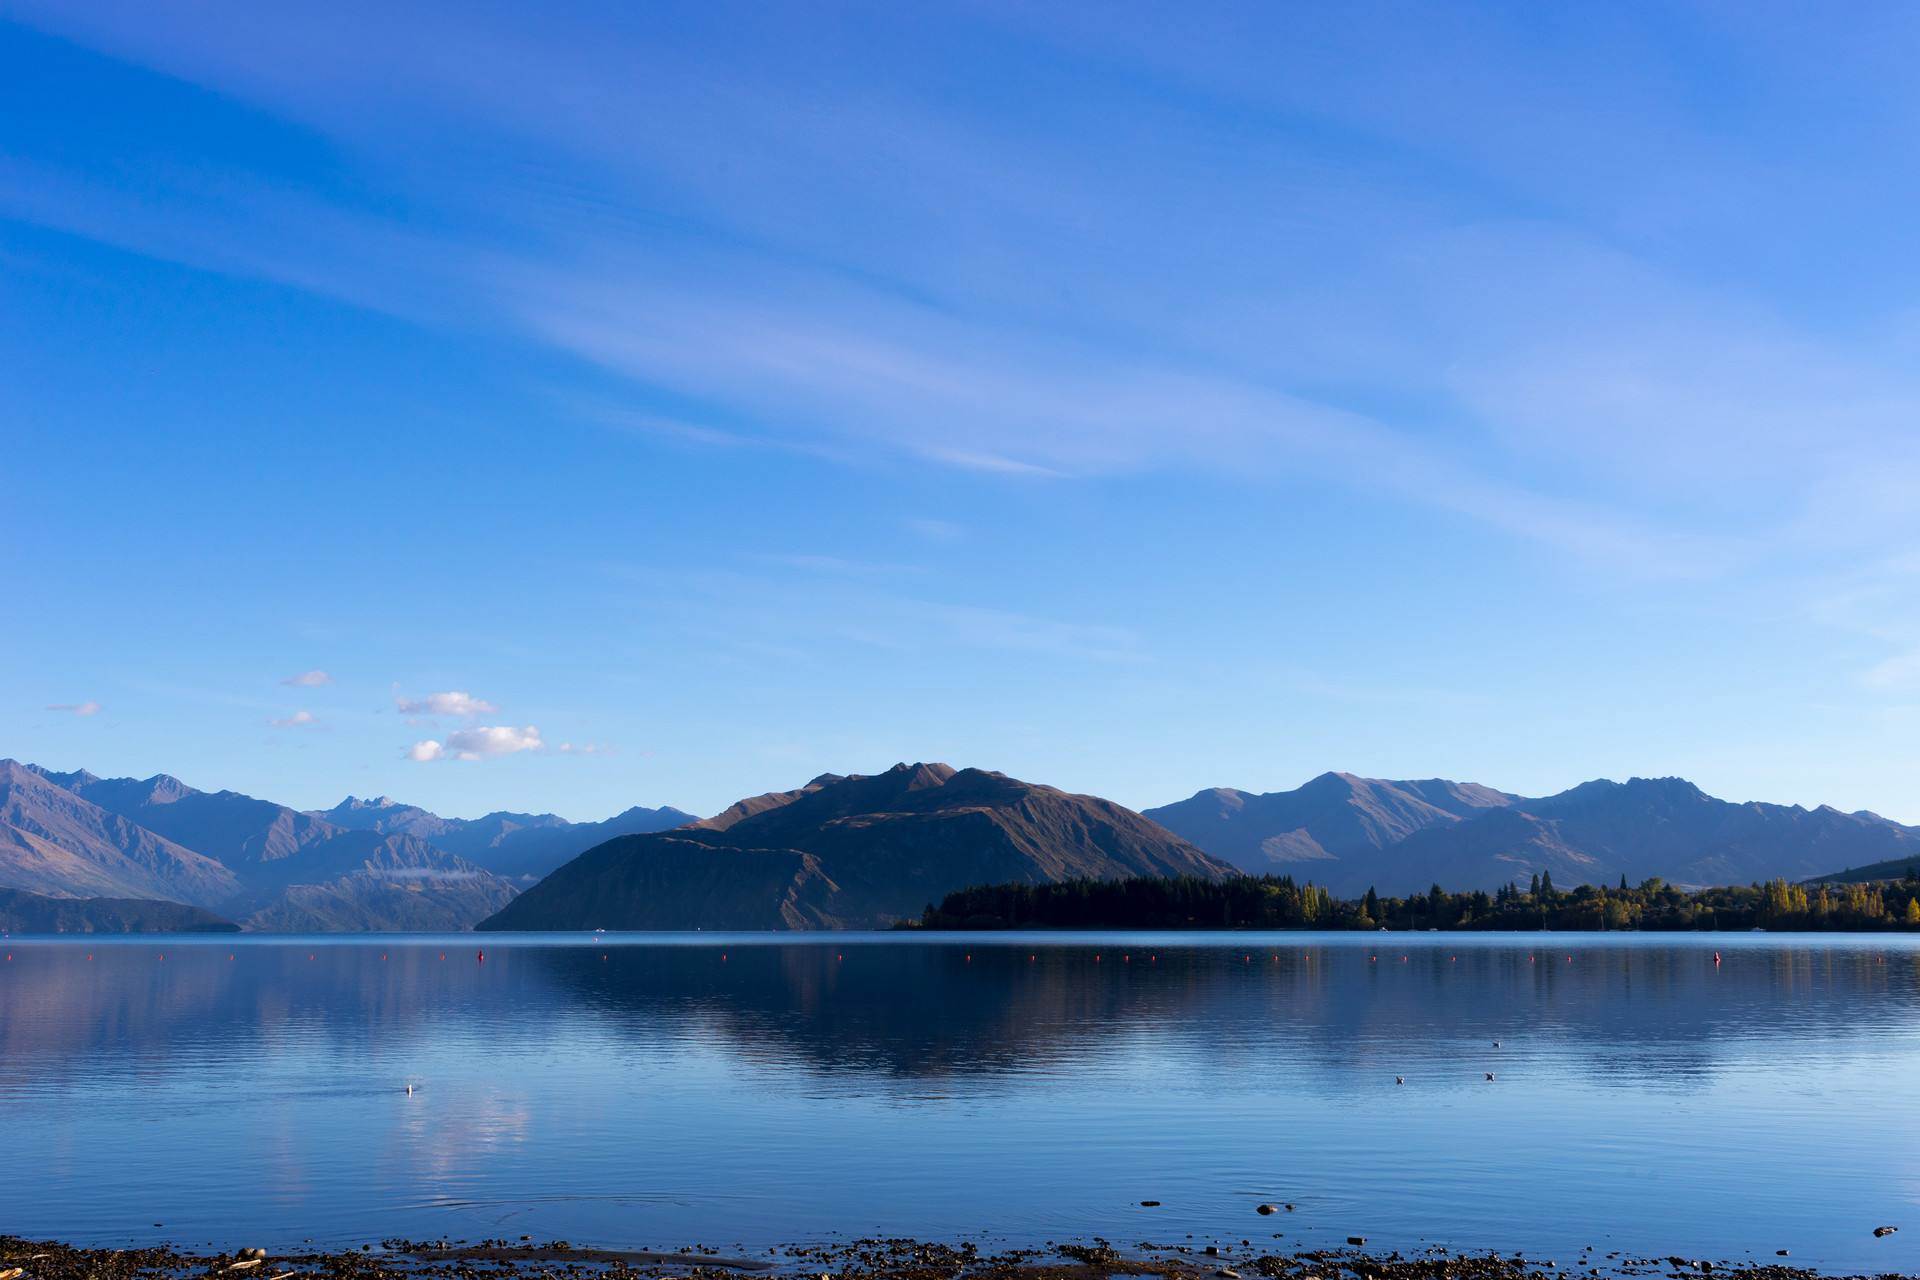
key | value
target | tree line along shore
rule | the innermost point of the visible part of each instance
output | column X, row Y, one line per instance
column 1280, row 902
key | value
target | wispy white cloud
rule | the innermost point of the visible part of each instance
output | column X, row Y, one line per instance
column 998, row 464
column 481, row 742
column 308, row 679
column 454, row 702
column 298, row 720
column 88, row 708
column 1575, row 384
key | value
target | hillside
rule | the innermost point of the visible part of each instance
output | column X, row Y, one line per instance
column 56, row 843
column 1599, row 831
column 1904, row 869
column 1320, row 829
column 22, row 912
column 853, row 852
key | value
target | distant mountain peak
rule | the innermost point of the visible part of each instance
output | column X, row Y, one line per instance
column 1669, row 785
column 1670, row 791
column 921, row 774
column 1334, row 780
column 164, row 788
column 355, row 803
column 71, row 781
column 1326, row 823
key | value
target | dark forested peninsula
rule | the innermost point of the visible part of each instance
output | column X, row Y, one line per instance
column 1278, row 902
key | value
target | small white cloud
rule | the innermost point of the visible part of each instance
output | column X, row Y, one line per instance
column 482, row 742
column 309, row 679
column 294, row 721
column 454, row 702
column 76, row 708
column 584, row 749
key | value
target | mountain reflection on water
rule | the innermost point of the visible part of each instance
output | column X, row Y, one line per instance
column 658, row 1091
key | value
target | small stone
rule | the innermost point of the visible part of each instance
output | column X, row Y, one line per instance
column 1227, row 1273
column 1266, row 1209
column 1779, row 1253
column 1356, row 1239
column 1149, row 1204
column 1212, row 1251
column 1884, row 1231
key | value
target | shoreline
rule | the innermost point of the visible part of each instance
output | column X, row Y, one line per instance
column 869, row 1259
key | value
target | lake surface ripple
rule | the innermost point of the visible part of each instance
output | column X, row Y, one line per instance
column 661, row 1090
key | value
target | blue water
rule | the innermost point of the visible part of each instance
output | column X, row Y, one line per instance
column 656, row 1091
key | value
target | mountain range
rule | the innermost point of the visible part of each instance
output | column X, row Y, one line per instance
column 80, row 836
column 1351, row 834
column 521, row 847
column 849, row 851
column 852, row 852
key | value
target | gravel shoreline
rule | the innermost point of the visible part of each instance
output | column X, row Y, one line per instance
column 857, row 1260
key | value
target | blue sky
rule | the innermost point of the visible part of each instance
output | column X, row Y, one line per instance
column 1130, row 398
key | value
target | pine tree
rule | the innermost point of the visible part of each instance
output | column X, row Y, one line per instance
column 1533, row 890
column 1546, row 884
column 1913, row 912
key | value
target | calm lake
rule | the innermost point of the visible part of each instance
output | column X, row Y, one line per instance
column 660, row 1090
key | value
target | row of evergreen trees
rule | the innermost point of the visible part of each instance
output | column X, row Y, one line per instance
column 1279, row 902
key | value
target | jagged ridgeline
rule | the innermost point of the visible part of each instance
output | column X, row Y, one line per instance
column 364, row 865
